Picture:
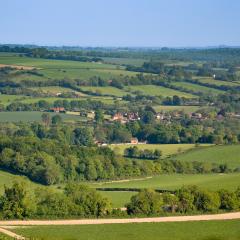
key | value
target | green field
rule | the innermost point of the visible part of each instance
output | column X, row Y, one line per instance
column 200, row 230
column 215, row 82
column 197, row 88
column 187, row 109
column 56, row 89
column 52, row 69
column 8, row 178
column 7, row 99
column 167, row 149
column 106, row 91
column 175, row 181
column 228, row 154
column 118, row 198
column 120, row 61
column 33, row 116
column 158, row 91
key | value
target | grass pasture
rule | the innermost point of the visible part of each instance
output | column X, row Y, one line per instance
column 105, row 91
column 56, row 89
column 187, row 109
column 228, row 154
column 215, row 82
column 176, row 181
column 158, row 91
column 199, row 230
column 8, row 178
column 118, row 198
column 60, row 69
column 33, row 116
column 167, row 149
column 197, row 88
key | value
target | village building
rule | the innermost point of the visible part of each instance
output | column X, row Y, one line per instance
column 58, row 110
column 134, row 141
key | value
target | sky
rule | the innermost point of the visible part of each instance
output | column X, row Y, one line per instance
column 120, row 23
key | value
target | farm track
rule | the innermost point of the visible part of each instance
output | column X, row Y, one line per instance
column 11, row 234
column 223, row 216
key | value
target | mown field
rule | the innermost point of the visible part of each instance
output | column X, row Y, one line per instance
column 106, row 91
column 52, row 69
column 174, row 181
column 197, row 88
column 56, row 90
column 215, row 82
column 167, row 149
column 228, row 154
column 8, row 99
column 34, row 116
column 200, row 230
column 187, row 109
column 158, row 91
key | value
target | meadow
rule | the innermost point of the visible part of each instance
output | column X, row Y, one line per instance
column 34, row 116
column 228, row 154
column 197, row 88
column 52, row 69
column 167, row 149
column 158, row 91
column 212, row 181
column 215, row 82
column 105, row 91
column 187, row 109
column 199, row 230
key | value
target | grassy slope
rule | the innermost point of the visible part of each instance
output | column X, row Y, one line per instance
column 159, row 91
column 197, row 88
column 33, row 116
column 8, row 178
column 106, row 90
column 61, row 69
column 208, row 230
column 175, row 181
column 118, row 199
column 216, row 154
column 187, row 109
column 215, row 82
column 167, row 149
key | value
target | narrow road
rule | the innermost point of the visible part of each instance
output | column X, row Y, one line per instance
column 223, row 216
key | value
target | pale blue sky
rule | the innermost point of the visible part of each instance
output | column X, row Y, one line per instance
column 120, row 22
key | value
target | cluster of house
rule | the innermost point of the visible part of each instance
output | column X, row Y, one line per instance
column 125, row 117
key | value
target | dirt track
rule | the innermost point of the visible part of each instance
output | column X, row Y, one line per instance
column 224, row 216
column 6, row 224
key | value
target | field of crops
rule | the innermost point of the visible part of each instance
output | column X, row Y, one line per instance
column 152, row 90
column 167, row 149
column 229, row 154
column 200, row 230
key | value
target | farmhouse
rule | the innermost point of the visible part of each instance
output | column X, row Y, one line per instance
column 134, row 141
column 58, row 110
column 118, row 117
